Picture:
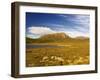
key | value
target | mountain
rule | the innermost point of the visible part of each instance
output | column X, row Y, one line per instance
column 81, row 37
column 55, row 36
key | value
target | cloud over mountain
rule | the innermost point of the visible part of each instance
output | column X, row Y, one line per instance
column 38, row 24
column 36, row 32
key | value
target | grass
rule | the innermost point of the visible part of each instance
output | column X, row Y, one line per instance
column 70, row 52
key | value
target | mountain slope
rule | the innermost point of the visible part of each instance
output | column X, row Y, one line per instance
column 56, row 37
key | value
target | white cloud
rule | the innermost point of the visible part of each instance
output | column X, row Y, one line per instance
column 64, row 16
column 35, row 32
column 82, row 20
column 80, row 25
column 74, row 34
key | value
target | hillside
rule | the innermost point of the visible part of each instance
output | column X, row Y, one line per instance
column 82, row 38
column 56, row 37
column 57, row 49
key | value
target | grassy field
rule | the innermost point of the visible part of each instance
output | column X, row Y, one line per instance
column 68, row 52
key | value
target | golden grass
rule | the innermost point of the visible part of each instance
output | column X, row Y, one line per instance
column 70, row 53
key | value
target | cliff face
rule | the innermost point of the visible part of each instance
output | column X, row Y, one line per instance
column 55, row 36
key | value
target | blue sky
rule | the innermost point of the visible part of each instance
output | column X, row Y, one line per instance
column 38, row 24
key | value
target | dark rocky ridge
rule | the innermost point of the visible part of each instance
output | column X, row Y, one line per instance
column 55, row 36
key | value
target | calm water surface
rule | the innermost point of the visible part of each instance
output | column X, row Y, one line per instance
column 42, row 46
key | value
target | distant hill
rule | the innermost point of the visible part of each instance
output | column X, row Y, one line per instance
column 81, row 37
column 56, row 37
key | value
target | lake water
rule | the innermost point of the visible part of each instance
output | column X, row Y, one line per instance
column 42, row 46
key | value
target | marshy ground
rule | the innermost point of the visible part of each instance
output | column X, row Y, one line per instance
column 72, row 52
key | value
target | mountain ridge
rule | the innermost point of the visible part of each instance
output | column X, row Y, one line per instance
column 55, row 37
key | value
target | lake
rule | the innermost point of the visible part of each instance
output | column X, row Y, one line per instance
column 42, row 46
